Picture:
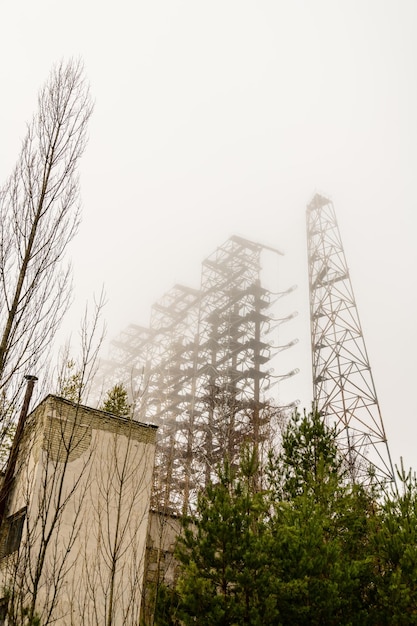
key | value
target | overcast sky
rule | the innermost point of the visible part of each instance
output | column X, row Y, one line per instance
column 225, row 117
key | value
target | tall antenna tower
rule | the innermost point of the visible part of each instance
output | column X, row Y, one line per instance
column 344, row 390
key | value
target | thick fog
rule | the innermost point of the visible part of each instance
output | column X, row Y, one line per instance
column 221, row 118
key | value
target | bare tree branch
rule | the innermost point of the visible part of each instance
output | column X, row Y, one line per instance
column 39, row 215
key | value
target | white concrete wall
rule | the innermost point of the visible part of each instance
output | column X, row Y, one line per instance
column 85, row 477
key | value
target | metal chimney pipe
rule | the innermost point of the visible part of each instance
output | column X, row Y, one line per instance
column 12, row 460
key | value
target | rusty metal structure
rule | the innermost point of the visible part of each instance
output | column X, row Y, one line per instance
column 204, row 371
column 344, row 389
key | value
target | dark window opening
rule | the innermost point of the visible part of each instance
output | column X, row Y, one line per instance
column 3, row 611
column 11, row 533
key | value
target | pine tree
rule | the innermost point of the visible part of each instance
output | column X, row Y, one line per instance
column 298, row 554
column 395, row 543
column 225, row 577
column 116, row 401
column 321, row 527
column 309, row 461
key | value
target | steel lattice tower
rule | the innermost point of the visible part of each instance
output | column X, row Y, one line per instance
column 204, row 372
column 209, row 376
column 344, row 390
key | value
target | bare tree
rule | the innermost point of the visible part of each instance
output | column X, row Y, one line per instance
column 48, row 495
column 109, row 588
column 39, row 215
column 72, row 546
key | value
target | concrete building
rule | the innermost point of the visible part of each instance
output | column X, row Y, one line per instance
column 161, row 566
column 72, row 545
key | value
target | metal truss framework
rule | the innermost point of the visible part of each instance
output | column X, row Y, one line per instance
column 344, row 389
column 204, row 364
